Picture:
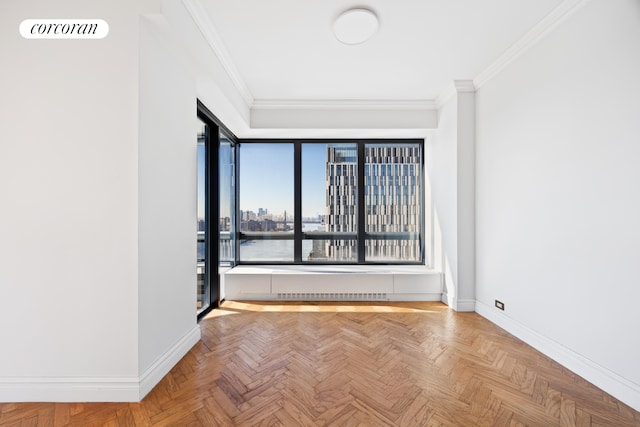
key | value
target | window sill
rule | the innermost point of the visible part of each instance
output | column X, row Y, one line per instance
column 333, row 282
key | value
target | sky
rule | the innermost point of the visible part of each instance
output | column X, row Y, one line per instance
column 225, row 190
column 266, row 179
column 201, row 157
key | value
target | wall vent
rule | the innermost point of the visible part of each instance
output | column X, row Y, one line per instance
column 333, row 296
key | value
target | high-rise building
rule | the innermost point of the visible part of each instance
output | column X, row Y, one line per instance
column 342, row 199
column 393, row 201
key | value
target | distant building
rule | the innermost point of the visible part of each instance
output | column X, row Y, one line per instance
column 393, row 204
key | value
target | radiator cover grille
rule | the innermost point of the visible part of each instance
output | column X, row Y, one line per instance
column 333, row 296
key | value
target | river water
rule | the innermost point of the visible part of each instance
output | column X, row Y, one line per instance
column 276, row 250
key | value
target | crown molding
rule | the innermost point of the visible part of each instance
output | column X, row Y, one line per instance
column 537, row 33
column 342, row 104
column 464, row 86
column 457, row 86
column 445, row 96
column 206, row 27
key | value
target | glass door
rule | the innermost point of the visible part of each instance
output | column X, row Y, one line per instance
column 203, row 289
column 226, row 203
column 216, row 208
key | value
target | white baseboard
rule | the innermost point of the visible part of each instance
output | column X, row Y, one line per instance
column 96, row 389
column 152, row 376
column 446, row 299
column 617, row 386
column 465, row 305
column 64, row 389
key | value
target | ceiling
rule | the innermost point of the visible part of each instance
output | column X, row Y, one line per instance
column 284, row 50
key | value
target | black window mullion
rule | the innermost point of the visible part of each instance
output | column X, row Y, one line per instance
column 209, row 207
column 360, row 203
column 297, row 200
column 236, row 186
column 423, row 206
column 213, row 208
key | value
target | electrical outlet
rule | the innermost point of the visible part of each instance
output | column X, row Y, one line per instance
column 500, row 305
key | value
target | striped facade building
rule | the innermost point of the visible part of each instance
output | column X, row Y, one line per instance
column 393, row 201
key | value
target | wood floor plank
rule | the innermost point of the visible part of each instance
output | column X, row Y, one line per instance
column 418, row 413
column 350, row 364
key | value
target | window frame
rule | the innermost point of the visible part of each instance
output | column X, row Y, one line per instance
column 361, row 235
column 212, row 277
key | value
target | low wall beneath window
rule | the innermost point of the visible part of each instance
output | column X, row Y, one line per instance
column 333, row 283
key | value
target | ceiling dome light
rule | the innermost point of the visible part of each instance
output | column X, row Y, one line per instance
column 355, row 26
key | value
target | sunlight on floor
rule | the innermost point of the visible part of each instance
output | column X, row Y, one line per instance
column 234, row 307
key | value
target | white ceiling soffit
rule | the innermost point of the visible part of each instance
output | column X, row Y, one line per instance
column 201, row 16
column 344, row 115
column 347, row 104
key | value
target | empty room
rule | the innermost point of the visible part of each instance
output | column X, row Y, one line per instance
column 320, row 213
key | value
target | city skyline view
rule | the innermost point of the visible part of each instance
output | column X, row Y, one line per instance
column 268, row 167
column 257, row 182
column 329, row 200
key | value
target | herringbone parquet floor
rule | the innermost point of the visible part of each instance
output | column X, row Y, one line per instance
column 395, row 364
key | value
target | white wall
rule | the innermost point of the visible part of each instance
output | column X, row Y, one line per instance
column 441, row 167
column 558, row 202
column 98, row 194
column 68, row 195
column 167, row 174
column 450, row 165
column 466, row 189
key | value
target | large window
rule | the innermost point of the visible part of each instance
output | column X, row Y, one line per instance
column 331, row 202
column 393, row 202
column 266, row 203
